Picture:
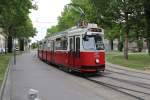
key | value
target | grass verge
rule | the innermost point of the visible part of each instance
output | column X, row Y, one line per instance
column 139, row 61
column 4, row 60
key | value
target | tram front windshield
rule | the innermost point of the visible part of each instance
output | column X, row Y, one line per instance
column 93, row 42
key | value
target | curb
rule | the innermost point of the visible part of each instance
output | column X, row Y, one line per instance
column 5, row 79
column 126, row 68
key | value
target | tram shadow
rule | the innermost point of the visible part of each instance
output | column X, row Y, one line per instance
column 85, row 75
column 76, row 73
column 79, row 74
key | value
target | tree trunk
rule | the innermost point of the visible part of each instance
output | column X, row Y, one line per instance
column 120, row 45
column 147, row 15
column 6, row 44
column 126, row 36
column 9, row 44
column 111, row 45
column 148, row 45
column 126, row 46
column 139, row 41
column 140, row 45
column 21, row 44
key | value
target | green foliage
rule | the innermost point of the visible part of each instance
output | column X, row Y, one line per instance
column 71, row 16
column 125, row 20
column 113, row 32
column 102, row 12
column 14, row 19
column 14, row 14
column 52, row 30
column 26, row 30
column 34, row 45
column 127, row 13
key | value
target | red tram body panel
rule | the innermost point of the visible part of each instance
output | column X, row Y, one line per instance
column 76, row 49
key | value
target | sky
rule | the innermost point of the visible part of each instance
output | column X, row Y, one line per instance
column 46, row 15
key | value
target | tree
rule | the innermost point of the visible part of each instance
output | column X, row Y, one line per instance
column 24, row 32
column 14, row 14
column 122, row 19
column 147, row 16
column 34, row 45
column 52, row 30
column 120, row 11
column 71, row 16
column 112, row 33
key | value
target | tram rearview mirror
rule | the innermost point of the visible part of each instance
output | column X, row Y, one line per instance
column 85, row 38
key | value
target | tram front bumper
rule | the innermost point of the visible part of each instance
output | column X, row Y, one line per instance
column 92, row 68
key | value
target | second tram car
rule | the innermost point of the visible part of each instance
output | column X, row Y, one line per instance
column 80, row 48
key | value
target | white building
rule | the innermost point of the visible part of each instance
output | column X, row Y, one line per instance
column 2, row 41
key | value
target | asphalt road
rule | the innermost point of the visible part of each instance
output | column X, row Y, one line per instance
column 52, row 84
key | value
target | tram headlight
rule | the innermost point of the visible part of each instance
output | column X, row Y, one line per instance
column 97, row 61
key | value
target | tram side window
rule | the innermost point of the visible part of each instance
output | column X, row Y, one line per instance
column 71, row 44
column 40, row 46
column 49, row 45
column 77, row 43
column 61, row 44
column 53, row 46
column 58, row 45
column 45, row 46
column 64, row 44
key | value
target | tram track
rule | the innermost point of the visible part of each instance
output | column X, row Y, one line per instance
column 127, row 74
column 119, row 89
column 128, row 70
column 142, row 88
column 139, row 84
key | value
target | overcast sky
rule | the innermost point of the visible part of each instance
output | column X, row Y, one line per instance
column 46, row 15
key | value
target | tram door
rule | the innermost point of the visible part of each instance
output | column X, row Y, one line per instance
column 71, row 51
column 52, row 51
column 74, row 51
column 77, row 51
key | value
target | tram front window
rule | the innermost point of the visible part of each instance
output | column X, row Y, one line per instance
column 93, row 42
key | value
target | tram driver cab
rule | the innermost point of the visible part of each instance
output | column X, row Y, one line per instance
column 87, row 43
column 93, row 38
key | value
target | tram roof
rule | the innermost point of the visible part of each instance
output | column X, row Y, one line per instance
column 76, row 30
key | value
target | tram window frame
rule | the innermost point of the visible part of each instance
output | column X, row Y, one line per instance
column 95, row 47
column 48, row 45
column 40, row 46
column 71, row 46
column 45, row 45
column 64, row 44
column 77, row 44
column 58, row 45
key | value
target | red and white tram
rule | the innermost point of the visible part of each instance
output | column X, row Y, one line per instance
column 76, row 49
